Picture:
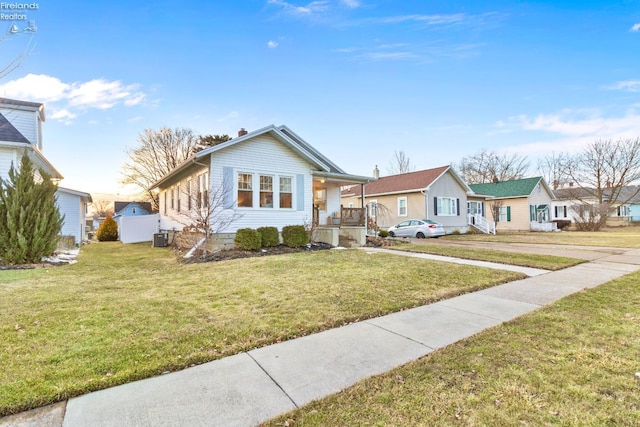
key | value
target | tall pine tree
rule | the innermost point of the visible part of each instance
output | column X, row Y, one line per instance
column 30, row 221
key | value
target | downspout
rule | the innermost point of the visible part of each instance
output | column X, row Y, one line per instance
column 426, row 201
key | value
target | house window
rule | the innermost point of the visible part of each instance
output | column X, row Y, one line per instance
column 320, row 198
column 133, row 211
column 402, row 206
column 286, row 199
column 446, row 206
column 245, row 190
column 189, row 194
column 178, row 195
column 505, row 214
column 202, row 198
column 373, row 209
column 266, row 191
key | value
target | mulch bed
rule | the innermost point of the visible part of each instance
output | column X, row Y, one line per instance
column 229, row 254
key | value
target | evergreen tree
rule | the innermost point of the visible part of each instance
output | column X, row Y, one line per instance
column 30, row 221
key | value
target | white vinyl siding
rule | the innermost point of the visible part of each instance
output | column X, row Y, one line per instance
column 264, row 155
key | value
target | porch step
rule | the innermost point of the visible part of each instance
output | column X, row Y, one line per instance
column 347, row 242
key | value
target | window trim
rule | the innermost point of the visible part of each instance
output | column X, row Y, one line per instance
column 406, row 206
column 453, row 205
column 280, row 192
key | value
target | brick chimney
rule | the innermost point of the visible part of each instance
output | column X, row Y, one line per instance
column 242, row 132
column 376, row 172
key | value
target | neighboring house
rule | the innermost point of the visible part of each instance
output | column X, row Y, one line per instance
column 625, row 211
column 438, row 194
column 524, row 204
column 131, row 209
column 20, row 134
column 268, row 177
column 73, row 205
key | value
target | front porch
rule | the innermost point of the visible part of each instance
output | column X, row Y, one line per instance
column 343, row 228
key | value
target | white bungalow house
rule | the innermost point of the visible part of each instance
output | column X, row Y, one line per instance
column 20, row 133
column 268, row 177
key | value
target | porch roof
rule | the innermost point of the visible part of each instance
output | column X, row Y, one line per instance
column 341, row 178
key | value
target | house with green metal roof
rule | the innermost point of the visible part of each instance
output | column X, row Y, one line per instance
column 516, row 205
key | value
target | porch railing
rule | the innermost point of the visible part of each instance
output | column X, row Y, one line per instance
column 352, row 217
column 481, row 223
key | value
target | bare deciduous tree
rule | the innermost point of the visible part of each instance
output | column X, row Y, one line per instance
column 208, row 212
column 496, row 207
column 103, row 208
column 553, row 167
column 159, row 152
column 400, row 163
column 486, row 166
column 601, row 173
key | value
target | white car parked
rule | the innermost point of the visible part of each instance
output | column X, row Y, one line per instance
column 419, row 228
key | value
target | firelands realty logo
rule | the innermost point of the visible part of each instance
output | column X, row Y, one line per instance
column 16, row 11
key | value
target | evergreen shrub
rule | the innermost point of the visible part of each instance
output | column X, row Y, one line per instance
column 30, row 222
column 248, row 239
column 108, row 231
column 269, row 236
column 295, row 236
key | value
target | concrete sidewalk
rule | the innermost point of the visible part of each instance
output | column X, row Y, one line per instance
column 249, row 388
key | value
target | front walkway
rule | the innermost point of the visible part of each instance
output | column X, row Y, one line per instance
column 249, row 388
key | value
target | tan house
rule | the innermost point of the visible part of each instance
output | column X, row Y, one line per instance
column 438, row 194
column 519, row 204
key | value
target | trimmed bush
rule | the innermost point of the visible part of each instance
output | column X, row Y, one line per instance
column 269, row 236
column 383, row 233
column 108, row 231
column 294, row 236
column 248, row 239
column 562, row 223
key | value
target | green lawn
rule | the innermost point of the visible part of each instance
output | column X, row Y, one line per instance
column 126, row 312
column 573, row 363
column 546, row 262
column 620, row 237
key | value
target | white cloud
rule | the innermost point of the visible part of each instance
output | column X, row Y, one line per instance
column 635, row 28
column 308, row 9
column 628, row 85
column 587, row 123
column 272, row 44
column 38, row 87
column 65, row 98
column 63, row 115
column 425, row 19
column 570, row 130
column 352, row 4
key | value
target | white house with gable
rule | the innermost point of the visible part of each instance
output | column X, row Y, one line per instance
column 268, row 177
column 20, row 134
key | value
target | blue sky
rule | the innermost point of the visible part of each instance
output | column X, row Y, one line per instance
column 358, row 79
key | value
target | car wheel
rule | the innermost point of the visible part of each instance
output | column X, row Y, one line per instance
column 420, row 235
column 392, row 234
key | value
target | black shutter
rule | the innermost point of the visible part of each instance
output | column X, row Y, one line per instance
column 435, row 206
column 458, row 206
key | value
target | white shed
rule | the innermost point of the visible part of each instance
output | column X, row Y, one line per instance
column 73, row 205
